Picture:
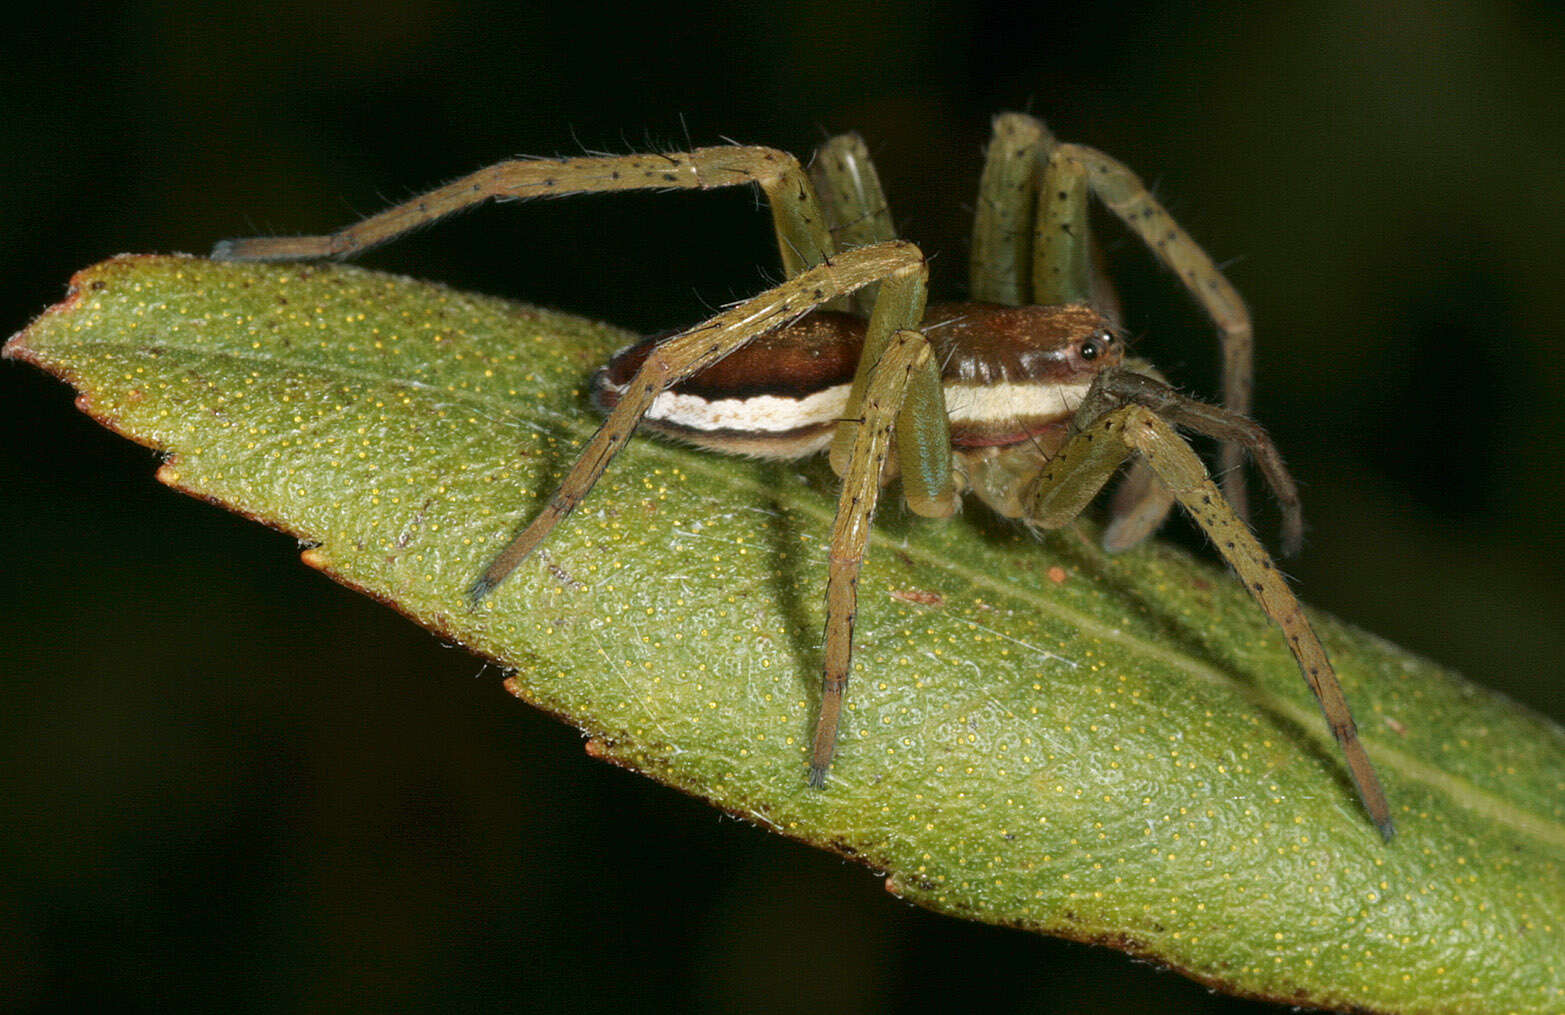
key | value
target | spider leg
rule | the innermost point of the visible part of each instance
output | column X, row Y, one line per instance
column 999, row 267
column 923, row 425
column 1138, row 507
column 1031, row 238
column 1061, row 268
column 801, row 228
column 854, row 204
column 1140, row 502
column 905, row 357
column 855, row 207
column 1129, row 199
column 690, row 352
column 1116, row 387
column 896, row 390
column 1079, row 471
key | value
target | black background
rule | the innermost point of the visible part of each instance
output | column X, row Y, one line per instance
column 226, row 780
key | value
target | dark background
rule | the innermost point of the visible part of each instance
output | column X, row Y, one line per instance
column 226, row 780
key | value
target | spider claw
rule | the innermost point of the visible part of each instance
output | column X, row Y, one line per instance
column 817, row 776
column 479, row 590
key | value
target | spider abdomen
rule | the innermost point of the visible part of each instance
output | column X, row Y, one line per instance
column 1010, row 375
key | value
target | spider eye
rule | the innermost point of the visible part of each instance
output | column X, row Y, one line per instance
column 1095, row 345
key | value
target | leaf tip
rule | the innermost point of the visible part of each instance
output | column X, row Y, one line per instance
column 16, row 347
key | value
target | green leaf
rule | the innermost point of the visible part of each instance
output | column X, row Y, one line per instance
column 1116, row 750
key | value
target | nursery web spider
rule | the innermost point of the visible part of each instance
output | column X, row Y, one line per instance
column 1022, row 396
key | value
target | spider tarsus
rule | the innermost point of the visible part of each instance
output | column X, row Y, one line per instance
column 1388, row 830
column 266, row 248
column 1292, row 533
column 479, row 590
column 1121, row 534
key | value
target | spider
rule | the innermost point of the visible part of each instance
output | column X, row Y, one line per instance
column 1022, row 396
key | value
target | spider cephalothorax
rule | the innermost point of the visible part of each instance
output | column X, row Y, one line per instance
column 1022, row 396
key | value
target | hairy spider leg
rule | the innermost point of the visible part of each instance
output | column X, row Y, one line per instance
column 923, row 428
column 1140, row 503
column 854, row 205
column 904, row 358
column 1000, row 263
column 1126, row 385
column 1031, row 239
column 802, row 236
column 896, row 392
column 1061, row 254
column 1062, row 272
column 1116, row 424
